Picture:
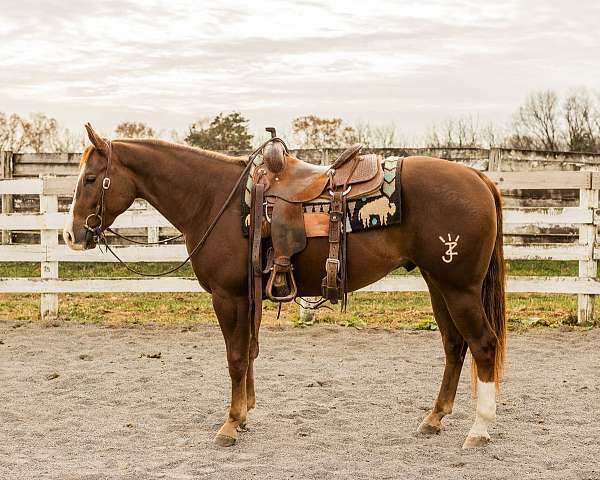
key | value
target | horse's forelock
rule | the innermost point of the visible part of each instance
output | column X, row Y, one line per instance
column 86, row 154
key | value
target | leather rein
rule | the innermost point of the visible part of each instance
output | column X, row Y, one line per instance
column 99, row 236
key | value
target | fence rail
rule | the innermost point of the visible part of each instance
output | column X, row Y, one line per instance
column 49, row 221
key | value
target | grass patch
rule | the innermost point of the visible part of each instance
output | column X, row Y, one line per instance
column 546, row 268
column 393, row 310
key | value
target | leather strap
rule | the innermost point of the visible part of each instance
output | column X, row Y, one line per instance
column 256, row 218
column 255, row 290
column 331, row 282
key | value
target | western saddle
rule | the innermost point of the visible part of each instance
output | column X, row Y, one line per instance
column 280, row 187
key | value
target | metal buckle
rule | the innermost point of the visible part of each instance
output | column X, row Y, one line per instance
column 266, row 207
column 106, row 183
column 335, row 261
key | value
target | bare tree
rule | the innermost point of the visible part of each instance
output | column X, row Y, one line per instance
column 134, row 130
column 521, row 141
column 582, row 117
column 384, row 136
column 491, row 135
column 66, row 141
column 378, row 136
column 538, row 120
column 364, row 134
column 40, row 133
column 315, row 132
column 458, row 132
column 11, row 132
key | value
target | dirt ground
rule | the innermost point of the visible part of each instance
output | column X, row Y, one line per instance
column 333, row 403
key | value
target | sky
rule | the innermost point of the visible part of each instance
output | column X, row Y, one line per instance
column 169, row 63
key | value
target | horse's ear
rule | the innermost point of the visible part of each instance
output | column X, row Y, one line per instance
column 97, row 140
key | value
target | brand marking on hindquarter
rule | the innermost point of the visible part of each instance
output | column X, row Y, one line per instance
column 451, row 244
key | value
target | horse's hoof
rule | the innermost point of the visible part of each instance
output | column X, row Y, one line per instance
column 476, row 441
column 428, row 429
column 225, row 440
column 242, row 427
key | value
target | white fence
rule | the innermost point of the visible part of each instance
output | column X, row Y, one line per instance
column 49, row 221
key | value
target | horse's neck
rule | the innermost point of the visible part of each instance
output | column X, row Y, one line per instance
column 184, row 186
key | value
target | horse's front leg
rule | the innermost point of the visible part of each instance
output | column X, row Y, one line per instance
column 233, row 319
column 250, row 391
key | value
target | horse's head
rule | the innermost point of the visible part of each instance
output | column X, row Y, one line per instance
column 104, row 189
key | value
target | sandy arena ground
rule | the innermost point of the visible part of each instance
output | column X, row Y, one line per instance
column 333, row 403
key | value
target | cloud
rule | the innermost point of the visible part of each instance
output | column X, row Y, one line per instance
column 412, row 62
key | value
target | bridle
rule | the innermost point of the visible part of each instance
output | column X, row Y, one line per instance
column 99, row 237
column 98, row 214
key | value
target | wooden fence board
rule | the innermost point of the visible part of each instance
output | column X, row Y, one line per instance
column 34, row 170
column 391, row 283
column 540, row 180
column 45, row 158
column 154, row 253
column 561, row 251
column 56, row 221
column 569, row 216
column 549, row 216
column 59, row 185
column 21, row 186
column 115, row 285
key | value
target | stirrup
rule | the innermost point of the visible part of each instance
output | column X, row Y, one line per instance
column 290, row 283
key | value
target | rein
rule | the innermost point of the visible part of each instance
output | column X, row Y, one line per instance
column 100, row 237
column 131, row 240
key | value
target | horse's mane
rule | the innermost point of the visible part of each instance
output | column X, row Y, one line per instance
column 169, row 145
column 177, row 146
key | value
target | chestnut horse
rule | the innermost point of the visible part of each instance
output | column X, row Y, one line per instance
column 451, row 229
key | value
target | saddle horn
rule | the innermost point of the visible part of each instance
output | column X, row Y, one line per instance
column 274, row 156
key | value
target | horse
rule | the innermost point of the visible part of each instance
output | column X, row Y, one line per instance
column 451, row 229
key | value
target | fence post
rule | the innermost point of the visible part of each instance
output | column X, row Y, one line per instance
column 153, row 234
column 6, row 171
column 48, row 239
column 588, row 198
column 495, row 160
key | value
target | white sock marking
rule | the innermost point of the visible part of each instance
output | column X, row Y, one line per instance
column 486, row 409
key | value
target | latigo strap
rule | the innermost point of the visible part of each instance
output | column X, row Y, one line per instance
column 331, row 286
column 255, row 269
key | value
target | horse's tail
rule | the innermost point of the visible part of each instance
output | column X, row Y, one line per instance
column 493, row 292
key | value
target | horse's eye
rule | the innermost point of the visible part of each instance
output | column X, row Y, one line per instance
column 90, row 178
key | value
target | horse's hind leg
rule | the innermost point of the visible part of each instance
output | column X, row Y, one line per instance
column 455, row 348
column 466, row 308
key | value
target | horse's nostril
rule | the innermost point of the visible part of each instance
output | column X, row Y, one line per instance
column 68, row 237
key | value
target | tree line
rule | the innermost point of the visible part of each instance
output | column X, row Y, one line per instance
column 544, row 121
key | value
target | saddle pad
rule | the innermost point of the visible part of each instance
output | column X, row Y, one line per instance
column 377, row 209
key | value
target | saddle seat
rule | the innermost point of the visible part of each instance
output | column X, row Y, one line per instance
column 296, row 181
